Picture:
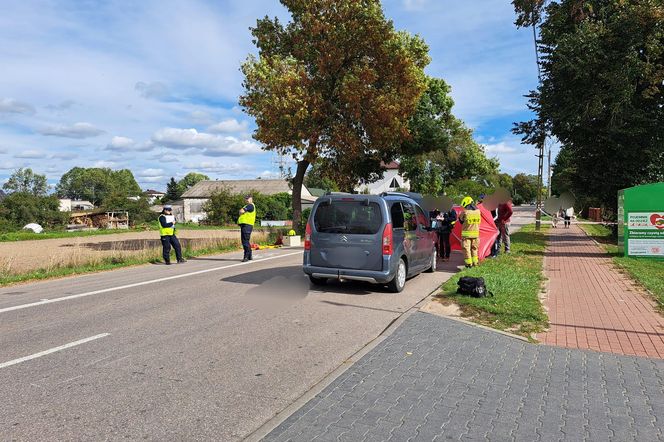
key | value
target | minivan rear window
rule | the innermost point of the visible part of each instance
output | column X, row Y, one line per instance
column 348, row 217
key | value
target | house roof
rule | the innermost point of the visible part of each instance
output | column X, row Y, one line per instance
column 205, row 189
column 394, row 165
column 153, row 192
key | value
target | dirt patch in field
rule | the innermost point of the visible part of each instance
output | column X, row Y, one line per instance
column 25, row 256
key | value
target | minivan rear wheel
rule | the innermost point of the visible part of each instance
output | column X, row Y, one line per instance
column 399, row 282
column 317, row 281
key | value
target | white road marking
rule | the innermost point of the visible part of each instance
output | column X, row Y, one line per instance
column 52, row 350
column 137, row 284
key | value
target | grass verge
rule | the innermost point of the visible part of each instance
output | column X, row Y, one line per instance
column 516, row 281
column 647, row 272
column 116, row 262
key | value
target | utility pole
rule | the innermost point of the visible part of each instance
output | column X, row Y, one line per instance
column 548, row 190
column 540, row 178
column 542, row 141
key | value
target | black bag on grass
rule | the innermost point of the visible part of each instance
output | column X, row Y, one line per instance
column 474, row 287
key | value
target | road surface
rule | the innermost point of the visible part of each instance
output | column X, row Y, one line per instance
column 209, row 350
column 209, row 355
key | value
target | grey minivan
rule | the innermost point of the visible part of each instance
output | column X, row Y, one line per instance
column 382, row 239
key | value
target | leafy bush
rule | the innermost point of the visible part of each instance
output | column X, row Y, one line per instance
column 222, row 207
column 21, row 208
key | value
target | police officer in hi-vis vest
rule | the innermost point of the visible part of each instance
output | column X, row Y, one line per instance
column 246, row 221
column 471, row 219
column 168, row 238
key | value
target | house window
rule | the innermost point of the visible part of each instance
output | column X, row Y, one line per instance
column 394, row 184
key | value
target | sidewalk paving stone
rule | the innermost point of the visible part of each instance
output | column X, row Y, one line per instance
column 592, row 305
column 544, row 393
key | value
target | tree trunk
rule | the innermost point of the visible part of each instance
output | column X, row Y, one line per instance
column 302, row 167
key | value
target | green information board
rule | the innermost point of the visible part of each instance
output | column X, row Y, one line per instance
column 641, row 221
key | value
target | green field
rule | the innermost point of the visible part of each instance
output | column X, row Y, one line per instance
column 516, row 281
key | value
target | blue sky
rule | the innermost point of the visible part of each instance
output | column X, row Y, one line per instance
column 153, row 85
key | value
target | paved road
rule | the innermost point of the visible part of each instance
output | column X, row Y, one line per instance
column 435, row 379
column 200, row 351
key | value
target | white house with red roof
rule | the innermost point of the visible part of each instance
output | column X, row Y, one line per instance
column 392, row 181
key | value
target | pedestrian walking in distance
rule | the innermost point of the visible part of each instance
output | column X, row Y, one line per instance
column 471, row 220
column 168, row 238
column 246, row 221
column 569, row 214
column 505, row 212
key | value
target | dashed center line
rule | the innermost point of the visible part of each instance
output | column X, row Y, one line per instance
column 52, row 350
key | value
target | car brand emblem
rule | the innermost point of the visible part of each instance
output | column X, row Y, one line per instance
column 344, row 238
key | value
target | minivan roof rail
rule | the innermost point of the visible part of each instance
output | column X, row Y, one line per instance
column 412, row 195
column 337, row 193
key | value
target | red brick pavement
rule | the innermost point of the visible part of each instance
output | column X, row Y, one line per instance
column 592, row 305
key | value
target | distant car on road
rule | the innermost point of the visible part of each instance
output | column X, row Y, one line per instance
column 381, row 239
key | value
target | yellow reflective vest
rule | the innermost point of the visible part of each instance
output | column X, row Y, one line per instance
column 165, row 231
column 248, row 217
column 471, row 220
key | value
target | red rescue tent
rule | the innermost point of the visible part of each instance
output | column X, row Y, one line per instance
column 488, row 232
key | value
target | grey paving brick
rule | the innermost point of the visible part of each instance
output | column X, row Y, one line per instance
column 330, row 435
column 406, row 431
column 465, row 383
column 356, row 433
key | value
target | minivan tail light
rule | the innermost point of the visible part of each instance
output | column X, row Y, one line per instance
column 388, row 248
column 307, row 237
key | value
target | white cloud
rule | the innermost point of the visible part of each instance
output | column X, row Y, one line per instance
column 414, row 5
column 124, row 144
column 230, row 125
column 77, row 130
column 11, row 106
column 67, row 104
column 232, row 169
column 30, row 154
column 269, row 175
column 500, row 148
column 10, row 166
column 64, row 156
column 201, row 117
column 105, row 164
column 210, row 145
column 155, row 90
column 151, row 173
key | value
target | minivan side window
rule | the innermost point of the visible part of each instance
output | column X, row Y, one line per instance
column 410, row 217
column 421, row 218
column 396, row 213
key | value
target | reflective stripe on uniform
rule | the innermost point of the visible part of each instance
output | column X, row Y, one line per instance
column 471, row 224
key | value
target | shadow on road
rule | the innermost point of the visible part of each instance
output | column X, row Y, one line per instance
column 258, row 277
column 341, row 304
